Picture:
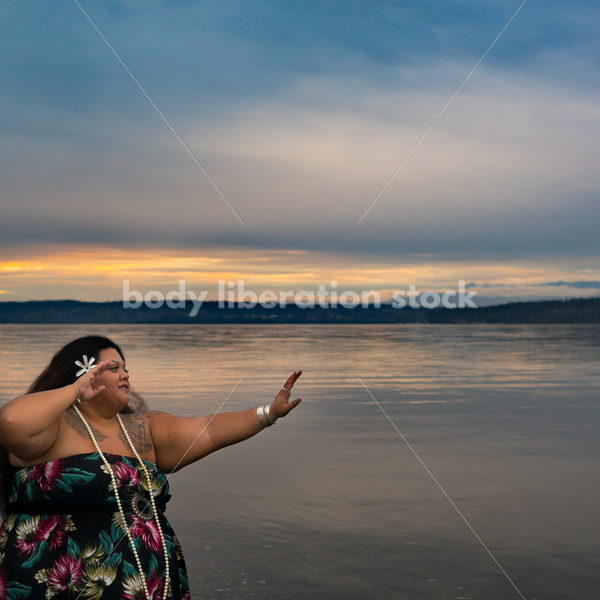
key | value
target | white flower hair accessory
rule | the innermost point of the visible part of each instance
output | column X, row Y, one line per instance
column 86, row 365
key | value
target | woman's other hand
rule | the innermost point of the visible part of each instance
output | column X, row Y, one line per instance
column 85, row 384
column 282, row 404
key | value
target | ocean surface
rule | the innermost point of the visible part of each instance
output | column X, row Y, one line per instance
column 424, row 461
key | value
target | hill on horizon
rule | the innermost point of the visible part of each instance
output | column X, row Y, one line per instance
column 573, row 310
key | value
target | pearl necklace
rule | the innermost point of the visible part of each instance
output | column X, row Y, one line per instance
column 124, row 522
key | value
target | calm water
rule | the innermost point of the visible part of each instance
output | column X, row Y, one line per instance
column 346, row 498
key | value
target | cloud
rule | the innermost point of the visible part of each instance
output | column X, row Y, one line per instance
column 508, row 170
column 584, row 285
column 189, row 52
column 301, row 115
column 95, row 272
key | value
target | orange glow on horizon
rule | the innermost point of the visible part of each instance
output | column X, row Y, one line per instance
column 97, row 272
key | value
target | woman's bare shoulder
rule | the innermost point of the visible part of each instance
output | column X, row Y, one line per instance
column 158, row 424
column 157, row 417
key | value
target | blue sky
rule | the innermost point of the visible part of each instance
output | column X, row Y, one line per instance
column 300, row 113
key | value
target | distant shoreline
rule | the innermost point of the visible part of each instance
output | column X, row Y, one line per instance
column 573, row 310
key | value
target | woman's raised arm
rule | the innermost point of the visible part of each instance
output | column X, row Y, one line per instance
column 29, row 423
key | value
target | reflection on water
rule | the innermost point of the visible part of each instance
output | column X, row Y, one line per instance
column 335, row 501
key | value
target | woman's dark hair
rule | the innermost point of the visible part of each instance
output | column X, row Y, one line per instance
column 60, row 372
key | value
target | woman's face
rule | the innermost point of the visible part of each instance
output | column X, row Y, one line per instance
column 115, row 378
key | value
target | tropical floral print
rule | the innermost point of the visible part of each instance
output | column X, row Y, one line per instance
column 79, row 549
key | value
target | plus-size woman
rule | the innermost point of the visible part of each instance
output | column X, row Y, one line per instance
column 84, row 488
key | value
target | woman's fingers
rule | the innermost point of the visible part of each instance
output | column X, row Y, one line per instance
column 96, row 370
column 105, row 364
column 292, row 404
column 282, row 405
column 287, row 386
column 86, row 380
column 292, row 379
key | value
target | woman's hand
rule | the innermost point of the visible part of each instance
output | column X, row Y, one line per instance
column 281, row 406
column 85, row 383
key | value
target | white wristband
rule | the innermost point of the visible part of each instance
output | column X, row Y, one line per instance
column 268, row 416
column 262, row 412
column 261, row 416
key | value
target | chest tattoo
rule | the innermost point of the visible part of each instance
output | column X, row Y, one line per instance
column 136, row 428
column 74, row 422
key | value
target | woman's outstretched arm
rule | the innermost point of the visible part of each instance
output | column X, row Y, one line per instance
column 180, row 441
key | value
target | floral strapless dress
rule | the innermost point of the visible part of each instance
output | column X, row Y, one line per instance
column 62, row 540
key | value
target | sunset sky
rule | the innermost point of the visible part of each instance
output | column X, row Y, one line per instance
column 299, row 113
